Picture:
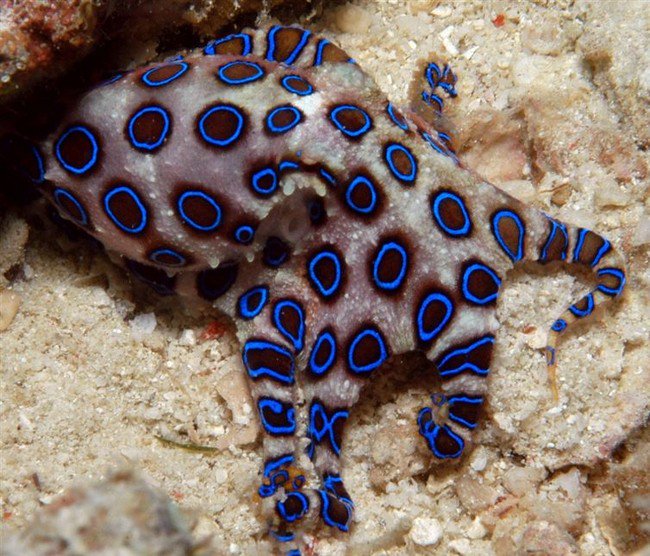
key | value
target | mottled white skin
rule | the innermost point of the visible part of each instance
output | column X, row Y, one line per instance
column 435, row 258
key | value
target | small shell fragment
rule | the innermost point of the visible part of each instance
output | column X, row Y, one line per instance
column 9, row 303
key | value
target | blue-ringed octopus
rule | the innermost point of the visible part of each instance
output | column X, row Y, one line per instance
column 268, row 176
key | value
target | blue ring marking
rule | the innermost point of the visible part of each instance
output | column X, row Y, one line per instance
column 267, row 371
column 427, row 336
column 293, row 517
column 580, row 313
column 397, row 282
column 149, row 146
column 325, row 508
column 181, row 261
column 383, row 353
column 329, row 482
column 605, row 247
column 445, row 138
column 244, row 234
column 465, row 365
column 242, row 81
column 601, row 252
column 233, row 137
column 430, row 431
column 559, row 325
column 40, row 165
column 326, row 292
column 442, row 149
column 284, row 537
column 186, row 219
column 612, row 272
column 288, row 166
column 270, row 54
column 316, row 211
column 435, row 209
column 356, row 182
column 318, row 57
column 294, row 552
column 111, row 80
column 469, row 296
column 297, row 118
column 278, row 408
column 391, row 113
column 183, row 67
column 427, row 137
column 328, row 337
column 463, row 399
column 245, row 310
column 389, row 152
column 275, row 475
column 257, row 176
column 93, row 157
column 62, row 193
column 143, row 211
column 286, row 83
column 498, row 216
column 554, row 229
column 581, row 238
column 210, row 50
column 550, row 356
column 329, row 178
column 296, row 341
column 281, row 257
column 350, row 133
column 318, row 434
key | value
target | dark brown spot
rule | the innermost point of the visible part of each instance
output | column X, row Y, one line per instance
column 276, row 252
column 222, row 124
column 351, row 120
column 77, row 150
column 125, row 208
column 447, row 444
column 402, row 162
column 450, row 213
column 590, row 252
column 167, row 72
column 326, row 272
column 334, row 54
column 509, row 233
column 241, row 71
column 154, row 277
column 479, row 283
column 235, row 46
column 466, row 411
column 212, row 284
column 474, row 356
column 290, row 320
column 267, row 358
column 276, row 417
column 198, row 209
column 148, row 128
column 70, row 208
column 556, row 243
column 287, row 39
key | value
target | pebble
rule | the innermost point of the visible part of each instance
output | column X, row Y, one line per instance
column 353, row 19
column 425, row 531
column 143, row 325
column 9, row 303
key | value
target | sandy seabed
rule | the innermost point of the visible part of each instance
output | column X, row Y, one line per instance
column 553, row 107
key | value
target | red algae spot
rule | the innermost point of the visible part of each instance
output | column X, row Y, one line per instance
column 213, row 330
column 499, row 20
